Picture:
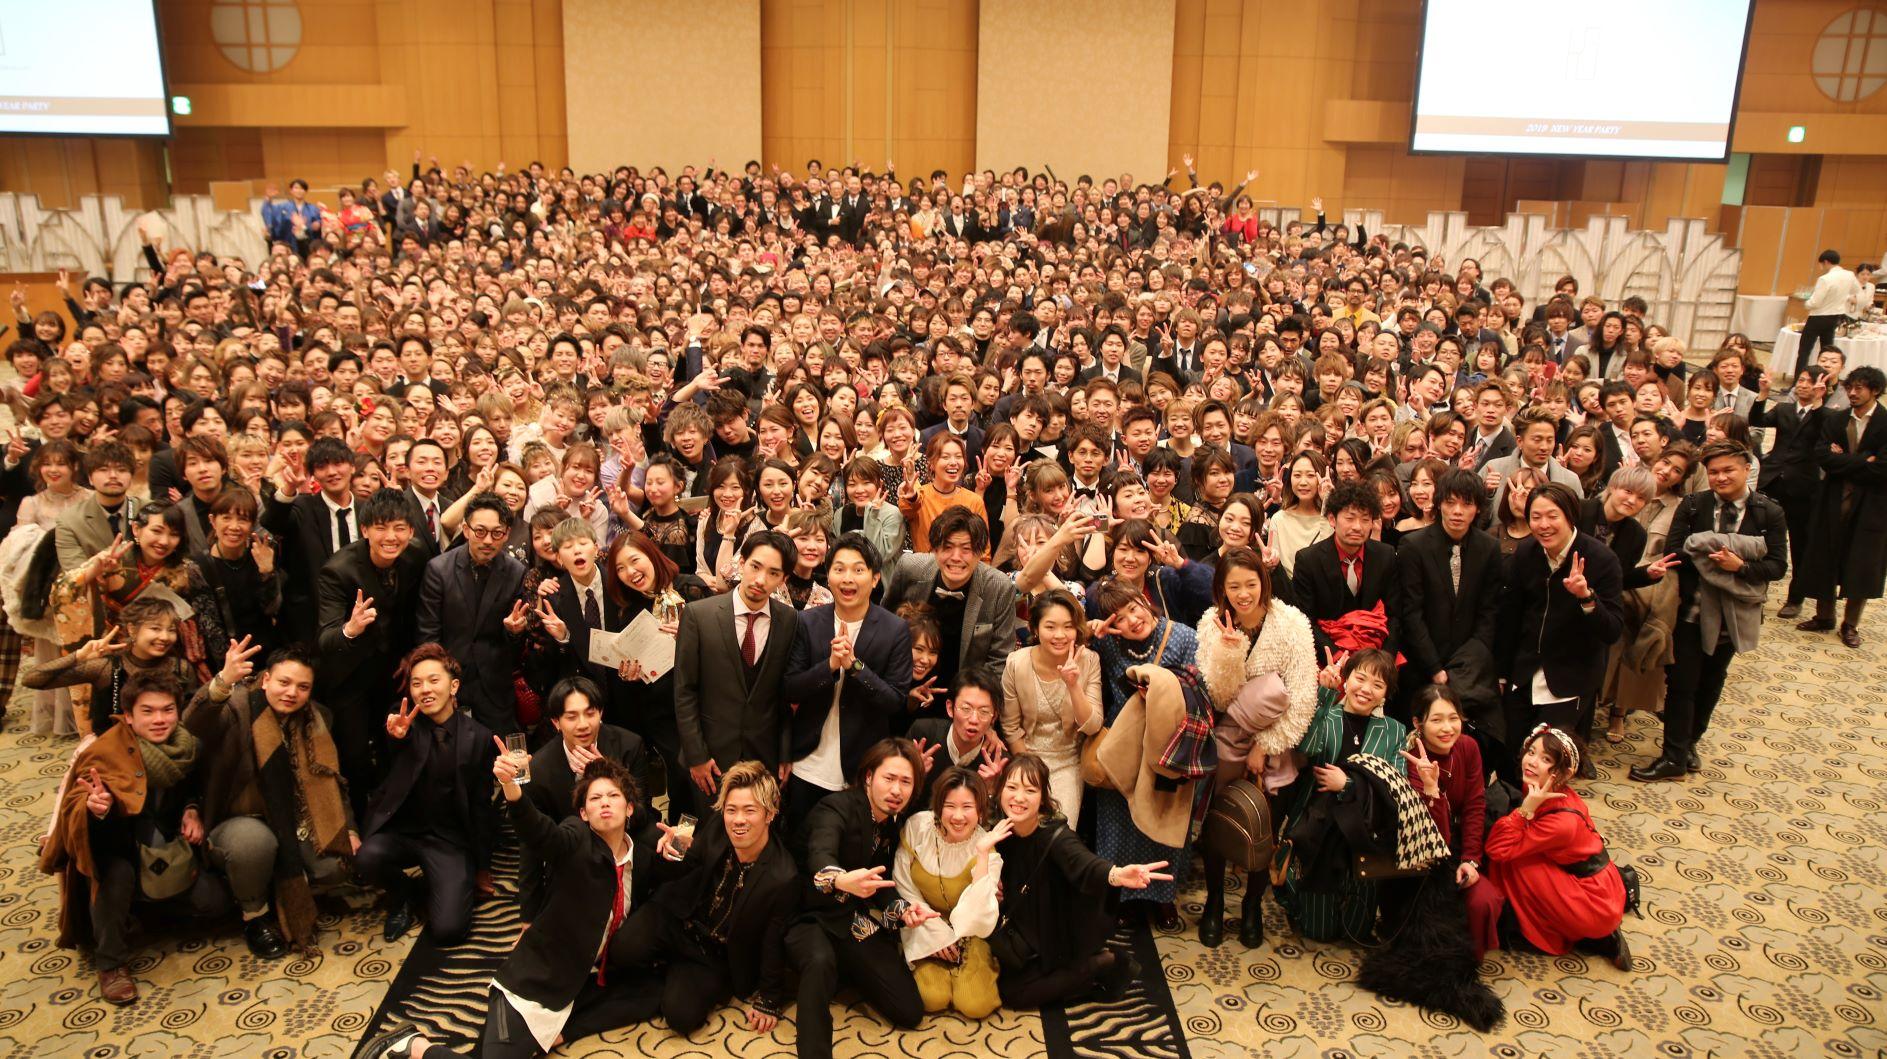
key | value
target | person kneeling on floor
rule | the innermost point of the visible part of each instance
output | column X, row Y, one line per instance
column 273, row 799
column 127, row 822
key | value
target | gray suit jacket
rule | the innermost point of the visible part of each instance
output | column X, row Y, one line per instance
column 723, row 716
column 1507, row 465
column 989, row 607
column 82, row 532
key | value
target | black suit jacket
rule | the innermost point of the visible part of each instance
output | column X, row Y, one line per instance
column 1543, row 627
column 473, row 754
column 1169, row 359
column 306, row 533
column 356, row 676
column 1762, row 517
column 1438, row 620
column 569, row 607
column 972, row 441
column 1319, row 590
column 756, row 926
column 871, row 697
column 1502, row 445
column 553, row 958
column 935, row 731
column 1127, row 374
column 470, row 625
column 723, row 714
column 840, row 832
column 444, row 498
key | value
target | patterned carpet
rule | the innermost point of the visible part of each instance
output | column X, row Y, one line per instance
column 1765, row 928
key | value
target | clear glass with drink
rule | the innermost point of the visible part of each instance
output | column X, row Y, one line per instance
column 683, row 834
column 516, row 748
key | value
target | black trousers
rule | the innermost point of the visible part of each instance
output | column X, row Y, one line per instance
column 1693, row 684
column 447, row 901
column 801, row 799
column 695, row 977
column 1521, row 715
column 1798, row 507
column 1816, row 329
column 1036, row 986
column 596, row 1009
column 875, row 967
column 659, row 731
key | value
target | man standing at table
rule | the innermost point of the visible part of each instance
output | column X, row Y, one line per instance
column 1835, row 298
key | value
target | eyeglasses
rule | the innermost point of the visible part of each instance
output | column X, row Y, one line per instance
column 486, row 533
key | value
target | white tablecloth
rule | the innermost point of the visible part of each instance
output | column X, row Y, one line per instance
column 1869, row 350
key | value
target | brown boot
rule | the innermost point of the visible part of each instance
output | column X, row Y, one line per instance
column 117, row 986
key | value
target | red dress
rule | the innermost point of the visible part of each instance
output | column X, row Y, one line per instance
column 1554, row 908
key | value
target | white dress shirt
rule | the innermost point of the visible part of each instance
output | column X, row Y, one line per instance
column 334, row 523
column 823, row 768
column 763, row 623
column 1836, row 293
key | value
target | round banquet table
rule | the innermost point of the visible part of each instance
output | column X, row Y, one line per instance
column 1860, row 349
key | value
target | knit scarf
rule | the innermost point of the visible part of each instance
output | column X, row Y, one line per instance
column 168, row 762
column 297, row 769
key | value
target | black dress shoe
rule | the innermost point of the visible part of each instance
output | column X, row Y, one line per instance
column 264, row 940
column 1790, row 611
column 1119, row 978
column 1691, row 761
column 1621, row 954
column 1251, row 927
column 1664, row 768
column 1165, row 917
column 400, row 919
column 396, row 1043
column 1850, row 635
column 1816, row 625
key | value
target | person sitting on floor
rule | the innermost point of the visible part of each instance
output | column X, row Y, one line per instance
column 273, row 798
column 946, row 862
column 127, row 824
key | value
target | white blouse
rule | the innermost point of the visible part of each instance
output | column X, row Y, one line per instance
column 976, row 913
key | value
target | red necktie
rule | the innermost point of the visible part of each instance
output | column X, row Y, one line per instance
column 748, row 649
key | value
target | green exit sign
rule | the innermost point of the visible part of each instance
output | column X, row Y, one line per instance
column 1798, row 133
column 180, row 104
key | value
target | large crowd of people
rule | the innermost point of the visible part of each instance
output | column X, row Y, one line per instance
column 1004, row 528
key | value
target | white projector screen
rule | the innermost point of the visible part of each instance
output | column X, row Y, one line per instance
column 1600, row 78
column 85, row 67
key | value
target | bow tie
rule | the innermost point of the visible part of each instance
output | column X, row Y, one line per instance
column 1089, row 493
column 945, row 593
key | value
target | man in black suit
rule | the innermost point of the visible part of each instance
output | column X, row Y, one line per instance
column 959, row 403
column 580, row 605
column 574, row 708
column 731, row 656
column 718, row 922
column 967, row 736
column 368, row 605
column 1700, row 662
column 435, row 808
column 1615, row 433
column 468, row 601
column 1346, row 584
column 852, row 210
column 848, row 677
column 1848, row 528
column 311, row 528
column 849, row 930
column 1561, row 611
column 1490, row 440
column 426, row 488
column 1450, row 576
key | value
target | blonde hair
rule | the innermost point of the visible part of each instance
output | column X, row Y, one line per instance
column 755, row 778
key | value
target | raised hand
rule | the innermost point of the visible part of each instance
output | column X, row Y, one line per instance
column 552, row 623
column 105, row 646
column 1537, row 796
column 1140, row 876
column 1575, row 581
column 991, row 838
column 994, row 760
column 922, row 694
column 928, row 751
column 1427, row 769
column 1656, row 570
column 17, row 448
column 97, row 796
column 1099, row 627
column 1331, row 675
column 519, row 617
column 401, row 722
column 237, row 664
column 863, row 882
column 363, row 616
column 506, row 767
column 263, row 552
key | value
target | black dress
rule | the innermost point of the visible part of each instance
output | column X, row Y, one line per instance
column 1055, row 916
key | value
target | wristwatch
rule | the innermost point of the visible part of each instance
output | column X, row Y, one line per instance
column 855, row 667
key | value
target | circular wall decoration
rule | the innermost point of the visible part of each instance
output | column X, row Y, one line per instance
column 262, row 36
column 1850, row 60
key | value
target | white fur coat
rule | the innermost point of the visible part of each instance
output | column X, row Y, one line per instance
column 1285, row 647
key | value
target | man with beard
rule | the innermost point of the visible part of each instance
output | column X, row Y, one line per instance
column 849, row 932
column 469, row 601
column 274, row 778
column 130, row 796
column 849, row 674
column 968, row 736
column 434, row 810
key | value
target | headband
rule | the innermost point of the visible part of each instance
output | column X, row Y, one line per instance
column 1565, row 741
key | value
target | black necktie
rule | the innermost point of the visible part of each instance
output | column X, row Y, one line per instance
column 116, row 518
column 340, row 517
column 1726, row 517
column 592, row 614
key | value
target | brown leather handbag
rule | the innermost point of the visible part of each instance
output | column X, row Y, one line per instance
column 1092, row 773
column 1238, row 826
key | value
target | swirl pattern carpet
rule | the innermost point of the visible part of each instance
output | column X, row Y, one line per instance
column 1764, row 930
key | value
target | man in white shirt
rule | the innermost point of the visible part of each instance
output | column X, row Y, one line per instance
column 1836, row 297
column 846, row 694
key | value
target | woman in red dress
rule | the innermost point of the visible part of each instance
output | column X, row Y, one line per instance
column 1444, row 765
column 1561, row 888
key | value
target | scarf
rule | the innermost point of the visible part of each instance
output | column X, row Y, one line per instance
column 298, row 771
column 168, row 762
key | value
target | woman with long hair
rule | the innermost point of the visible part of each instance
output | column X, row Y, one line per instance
column 641, row 579
column 1051, row 694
